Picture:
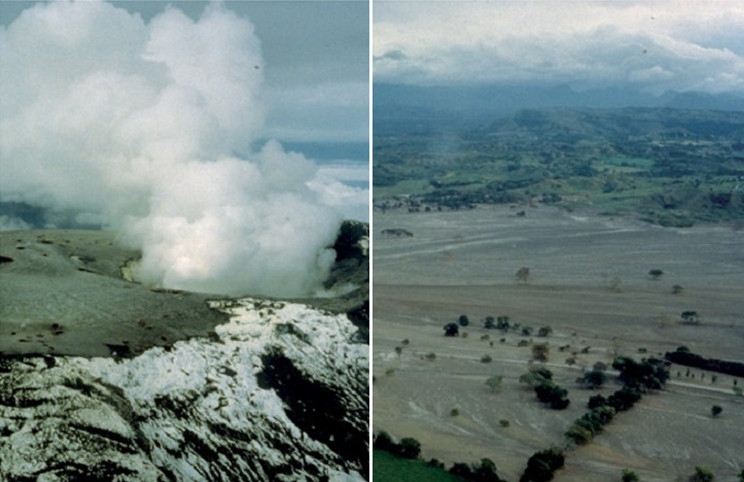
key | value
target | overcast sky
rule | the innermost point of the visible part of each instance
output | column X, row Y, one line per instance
column 316, row 59
column 654, row 46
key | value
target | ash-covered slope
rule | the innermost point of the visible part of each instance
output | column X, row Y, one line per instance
column 270, row 390
column 280, row 393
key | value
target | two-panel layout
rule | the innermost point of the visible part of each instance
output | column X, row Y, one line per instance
column 397, row 241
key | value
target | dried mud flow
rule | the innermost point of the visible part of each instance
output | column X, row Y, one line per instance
column 63, row 293
column 589, row 281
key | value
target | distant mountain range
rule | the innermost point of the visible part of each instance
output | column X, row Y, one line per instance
column 411, row 109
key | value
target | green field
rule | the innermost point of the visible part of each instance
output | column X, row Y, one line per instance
column 389, row 468
column 663, row 168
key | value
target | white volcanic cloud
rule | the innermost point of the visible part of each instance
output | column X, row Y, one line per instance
column 655, row 45
column 147, row 127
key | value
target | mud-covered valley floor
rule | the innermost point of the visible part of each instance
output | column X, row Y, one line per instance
column 589, row 281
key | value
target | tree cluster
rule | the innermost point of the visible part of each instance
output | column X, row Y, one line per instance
column 483, row 472
column 501, row 322
column 552, row 394
column 683, row 356
column 636, row 377
column 536, row 375
column 590, row 424
column 648, row 374
column 408, row 448
column 541, row 380
column 542, row 465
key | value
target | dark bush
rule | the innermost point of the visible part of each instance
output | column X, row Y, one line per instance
column 594, row 379
column 461, row 470
column 541, row 465
column 451, row 329
column 385, row 442
column 549, row 392
column 596, row 401
column 409, row 448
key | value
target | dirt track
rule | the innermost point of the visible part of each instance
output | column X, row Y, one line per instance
column 589, row 282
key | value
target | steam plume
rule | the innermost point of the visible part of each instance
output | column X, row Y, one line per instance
column 148, row 128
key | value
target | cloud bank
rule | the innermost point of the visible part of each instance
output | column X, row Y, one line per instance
column 148, row 128
column 654, row 46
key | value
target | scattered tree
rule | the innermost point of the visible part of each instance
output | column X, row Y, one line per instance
column 655, row 273
column 716, row 410
column 451, row 329
column 594, row 379
column 502, row 323
column 676, row 289
column 629, row 476
column 523, row 274
column 486, row 359
column 690, row 316
column 536, row 376
column 463, row 320
column 540, row 352
column 489, row 323
column 702, row 474
column 454, row 412
column 601, row 366
column 494, row 382
column 544, row 331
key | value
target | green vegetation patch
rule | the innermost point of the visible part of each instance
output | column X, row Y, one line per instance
column 657, row 165
column 389, row 468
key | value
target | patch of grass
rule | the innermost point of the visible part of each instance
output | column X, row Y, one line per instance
column 389, row 468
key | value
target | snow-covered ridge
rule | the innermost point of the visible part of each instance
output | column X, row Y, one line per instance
column 278, row 393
